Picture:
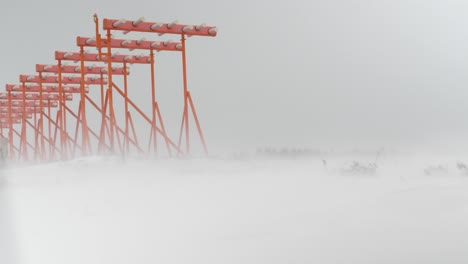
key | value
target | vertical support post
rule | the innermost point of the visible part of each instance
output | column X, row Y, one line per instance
column 102, row 91
column 153, row 100
column 57, row 120
column 24, row 139
column 35, row 134
column 185, row 118
column 102, row 134
column 109, row 79
column 98, row 36
column 84, row 127
column 68, row 142
column 77, row 128
column 197, row 123
column 51, row 147
column 133, row 131
column 102, row 139
column 10, row 129
column 166, row 139
column 41, row 118
column 63, row 130
column 126, row 145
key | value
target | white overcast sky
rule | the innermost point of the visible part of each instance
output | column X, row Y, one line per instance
column 334, row 73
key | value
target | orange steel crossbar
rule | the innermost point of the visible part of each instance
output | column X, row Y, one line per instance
column 19, row 110
column 161, row 28
column 7, row 120
column 46, row 89
column 65, row 80
column 132, row 44
column 33, row 103
column 34, row 96
column 14, row 115
column 94, row 57
column 91, row 69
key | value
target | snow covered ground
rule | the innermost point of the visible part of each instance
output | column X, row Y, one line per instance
column 266, row 210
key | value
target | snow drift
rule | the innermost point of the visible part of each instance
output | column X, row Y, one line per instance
column 269, row 210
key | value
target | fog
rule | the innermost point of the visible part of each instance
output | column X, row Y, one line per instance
column 249, row 210
column 8, row 239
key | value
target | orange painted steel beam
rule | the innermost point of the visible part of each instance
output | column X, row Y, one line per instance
column 7, row 125
column 7, row 120
column 91, row 69
column 28, row 110
column 32, row 88
column 33, row 96
column 65, row 80
column 14, row 115
column 161, row 28
column 90, row 57
column 131, row 44
column 61, row 115
column 34, row 103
